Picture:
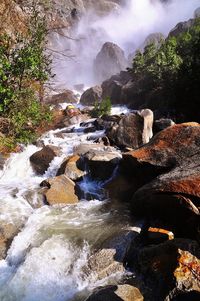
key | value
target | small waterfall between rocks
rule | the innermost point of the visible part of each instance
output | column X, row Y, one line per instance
column 46, row 259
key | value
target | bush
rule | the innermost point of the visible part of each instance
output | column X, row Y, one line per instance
column 101, row 108
column 26, row 114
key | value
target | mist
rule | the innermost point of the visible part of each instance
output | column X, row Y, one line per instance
column 127, row 26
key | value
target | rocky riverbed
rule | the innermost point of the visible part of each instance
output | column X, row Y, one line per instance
column 106, row 205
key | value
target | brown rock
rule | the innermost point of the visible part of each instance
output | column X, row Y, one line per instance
column 61, row 190
column 41, row 160
column 187, row 273
column 71, row 168
column 123, row 292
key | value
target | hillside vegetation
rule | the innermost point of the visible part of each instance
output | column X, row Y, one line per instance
column 168, row 75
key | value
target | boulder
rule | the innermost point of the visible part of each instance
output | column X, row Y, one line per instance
column 110, row 258
column 161, row 124
column 71, row 168
column 181, row 27
column 61, row 190
column 67, row 96
column 197, row 13
column 113, row 88
column 91, row 96
column 167, row 170
column 124, row 292
column 110, row 60
column 41, row 160
column 133, row 130
column 168, row 268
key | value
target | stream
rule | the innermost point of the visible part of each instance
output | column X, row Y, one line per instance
column 45, row 260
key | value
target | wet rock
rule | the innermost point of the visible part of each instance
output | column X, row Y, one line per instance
column 110, row 258
column 107, row 121
column 41, row 160
column 91, row 96
column 101, row 163
column 110, row 60
column 124, row 292
column 71, row 167
column 162, row 124
column 7, row 233
column 61, row 190
column 133, row 130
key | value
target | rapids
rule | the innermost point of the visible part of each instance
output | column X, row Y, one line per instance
column 45, row 260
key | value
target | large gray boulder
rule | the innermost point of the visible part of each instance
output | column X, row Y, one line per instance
column 91, row 96
column 110, row 60
column 133, row 130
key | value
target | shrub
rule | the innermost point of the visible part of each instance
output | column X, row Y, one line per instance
column 101, row 108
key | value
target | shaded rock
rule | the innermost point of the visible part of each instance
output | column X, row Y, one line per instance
column 71, row 168
column 158, row 264
column 101, row 163
column 107, row 121
column 155, row 38
column 162, row 124
column 197, row 12
column 91, row 96
column 61, row 190
column 133, row 130
column 41, row 160
column 123, row 292
column 110, row 258
column 181, row 28
column 113, row 88
column 175, row 153
column 67, row 96
column 110, row 60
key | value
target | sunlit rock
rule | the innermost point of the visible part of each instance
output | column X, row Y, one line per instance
column 61, row 190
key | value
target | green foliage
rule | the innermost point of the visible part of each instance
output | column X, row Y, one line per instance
column 101, row 108
column 171, row 72
column 26, row 113
column 24, row 68
column 22, row 58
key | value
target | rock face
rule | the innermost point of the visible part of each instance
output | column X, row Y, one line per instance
column 133, row 130
column 110, row 60
column 123, row 292
column 40, row 160
column 61, row 190
column 91, row 96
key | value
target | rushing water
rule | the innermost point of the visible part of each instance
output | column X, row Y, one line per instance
column 45, row 260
